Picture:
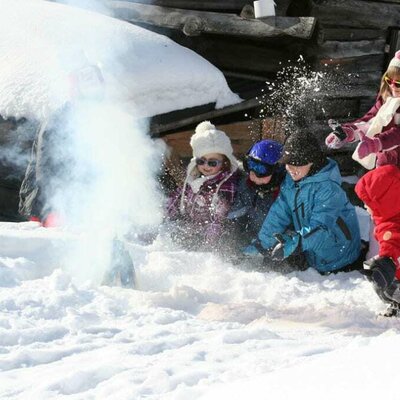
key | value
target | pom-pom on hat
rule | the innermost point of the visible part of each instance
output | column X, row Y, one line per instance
column 395, row 61
column 208, row 139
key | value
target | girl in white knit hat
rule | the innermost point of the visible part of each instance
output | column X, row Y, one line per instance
column 201, row 205
column 379, row 129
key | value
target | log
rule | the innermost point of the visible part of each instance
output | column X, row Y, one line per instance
column 354, row 64
column 328, row 33
column 157, row 129
column 213, row 5
column 356, row 14
column 337, row 49
column 244, row 56
column 194, row 23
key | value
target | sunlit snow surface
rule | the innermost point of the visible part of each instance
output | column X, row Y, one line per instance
column 42, row 42
column 197, row 327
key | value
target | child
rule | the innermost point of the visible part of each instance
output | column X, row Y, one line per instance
column 257, row 190
column 312, row 214
column 380, row 191
column 379, row 129
column 200, row 207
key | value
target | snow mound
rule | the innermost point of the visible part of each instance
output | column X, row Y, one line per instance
column 42, row 42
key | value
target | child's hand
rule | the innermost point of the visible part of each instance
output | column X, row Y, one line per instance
column 368, row 146
column 345, row 133
column 288, row 244
column 333, row 142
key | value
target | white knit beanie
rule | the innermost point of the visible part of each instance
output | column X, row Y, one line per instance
column 208, row 139
column 395, row 61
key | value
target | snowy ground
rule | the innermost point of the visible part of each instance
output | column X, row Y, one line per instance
column 196, row 328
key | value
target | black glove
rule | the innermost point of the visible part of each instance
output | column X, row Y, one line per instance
column 288, row 244
column 337, row 129
column 380, row 271
column 278, row 252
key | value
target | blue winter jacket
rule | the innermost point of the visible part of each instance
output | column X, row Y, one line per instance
column 322, row 215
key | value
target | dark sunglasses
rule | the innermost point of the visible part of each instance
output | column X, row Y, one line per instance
column 211, row 163
column 391, row 82
column 259, row 168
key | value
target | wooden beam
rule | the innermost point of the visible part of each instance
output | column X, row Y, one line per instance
column 216, row 5
column 245, row 56
column 338, row 49
column 343, row 34
column 194, row 23
column 354, row 64
column 159, row 129
column 356, row 13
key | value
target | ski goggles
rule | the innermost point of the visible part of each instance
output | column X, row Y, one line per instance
column 391, row 82
column 211, row 162
column 259, row 168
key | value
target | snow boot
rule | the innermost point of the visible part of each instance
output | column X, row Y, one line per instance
column 392, row 311
column 121, row 271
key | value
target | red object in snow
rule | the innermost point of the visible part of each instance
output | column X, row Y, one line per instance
column 52, row 220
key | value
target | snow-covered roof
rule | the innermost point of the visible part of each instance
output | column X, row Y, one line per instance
column 42, row 42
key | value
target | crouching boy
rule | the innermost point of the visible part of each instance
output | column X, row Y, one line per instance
column 312, row 215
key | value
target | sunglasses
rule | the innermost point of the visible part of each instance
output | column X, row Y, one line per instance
column 211, row 163
column 259, row 168
column 391, row 82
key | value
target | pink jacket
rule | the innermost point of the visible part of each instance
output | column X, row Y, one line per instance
column 390, row 136
column 207, row 209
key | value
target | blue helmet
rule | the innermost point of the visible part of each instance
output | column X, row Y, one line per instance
column 266, row 151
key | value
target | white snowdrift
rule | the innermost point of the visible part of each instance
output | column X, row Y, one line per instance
column 198, row 328
column 42, row 42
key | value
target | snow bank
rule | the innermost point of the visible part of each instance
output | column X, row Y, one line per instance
column 42, row 42
column 198, row 328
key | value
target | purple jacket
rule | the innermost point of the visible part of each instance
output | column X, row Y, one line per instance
column 390, row 136
column 207, row 209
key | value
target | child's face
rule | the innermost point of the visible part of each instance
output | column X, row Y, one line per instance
column 298, row 172
column 204, row 167
column 393, row 82
column 259, row 181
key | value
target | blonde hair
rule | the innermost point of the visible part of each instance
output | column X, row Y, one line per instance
column 384, row 90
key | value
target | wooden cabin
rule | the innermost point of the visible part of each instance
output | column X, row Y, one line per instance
column 351, row 39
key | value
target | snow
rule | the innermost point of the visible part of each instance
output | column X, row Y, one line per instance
column 41, row 43
column 196, row 327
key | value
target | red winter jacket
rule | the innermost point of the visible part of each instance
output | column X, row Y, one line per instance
column 379, row 189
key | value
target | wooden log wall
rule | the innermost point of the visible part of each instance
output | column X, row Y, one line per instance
column 351, row 38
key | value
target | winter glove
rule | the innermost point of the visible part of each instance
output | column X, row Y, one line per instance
column 343, row 134
column 288, row 244
column 368, row 146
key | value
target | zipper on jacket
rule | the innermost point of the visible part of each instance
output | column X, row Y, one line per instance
column 296, row 208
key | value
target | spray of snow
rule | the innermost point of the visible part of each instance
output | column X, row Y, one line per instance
column 300, row 95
